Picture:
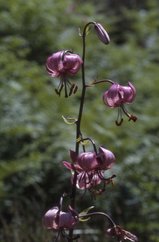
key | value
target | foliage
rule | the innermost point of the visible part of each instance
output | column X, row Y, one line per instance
column 31, row 113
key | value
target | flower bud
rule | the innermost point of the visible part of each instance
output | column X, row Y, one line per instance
column 102, row 33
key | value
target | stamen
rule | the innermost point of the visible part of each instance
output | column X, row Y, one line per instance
column 133, row 118
column 75, row 89
column 100, row 175
column 57, row 92
column 57, row 237
column 130, row 116
column 119, row 117
column 71, row 89
column 82, row 177
column 66, row 95
column 59, row 89
column 89, row 178
column 118, row 123
column 110, row 179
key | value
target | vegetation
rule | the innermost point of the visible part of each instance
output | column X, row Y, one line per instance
column 33, row 137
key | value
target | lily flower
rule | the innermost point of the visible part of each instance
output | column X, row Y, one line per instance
column 121, row 234
column 63, row 64
column 118, row 95
column 58, row 220
column 90, row 167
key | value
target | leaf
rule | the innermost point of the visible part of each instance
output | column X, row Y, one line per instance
column 84, row 213
column 84, row 219
column 83, row 141
column 69, row 120
column 79, row 139
column 88, row 30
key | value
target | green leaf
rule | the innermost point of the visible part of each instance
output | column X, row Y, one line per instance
column 84, row 212
column 83, row 142
column 69, row 120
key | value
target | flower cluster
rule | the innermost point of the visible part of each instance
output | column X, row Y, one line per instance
column 90, row 167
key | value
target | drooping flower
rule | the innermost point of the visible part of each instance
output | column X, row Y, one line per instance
column 57, row 220
column 101, row 33
column 121, row 234
column 118, row 95
column 63, row 64
column 90, row 167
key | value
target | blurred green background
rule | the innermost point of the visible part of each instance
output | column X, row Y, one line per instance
column 33, row 137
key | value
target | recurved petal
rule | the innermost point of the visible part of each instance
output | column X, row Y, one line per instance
column 49, row 219
column 111, row 97
column 72, row 63
column 105, row 158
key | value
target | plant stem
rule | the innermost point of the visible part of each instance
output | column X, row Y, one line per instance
column 101, row 214
column 84, row 86
column 78, row 124
column 103, row 81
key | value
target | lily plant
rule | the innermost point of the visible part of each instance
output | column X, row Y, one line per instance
column 88, row 168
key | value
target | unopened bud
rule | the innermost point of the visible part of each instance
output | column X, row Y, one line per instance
column 102, row 33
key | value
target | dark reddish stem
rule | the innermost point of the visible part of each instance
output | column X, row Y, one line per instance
column 78, row 123
column 103, row 81
column 99, row 214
